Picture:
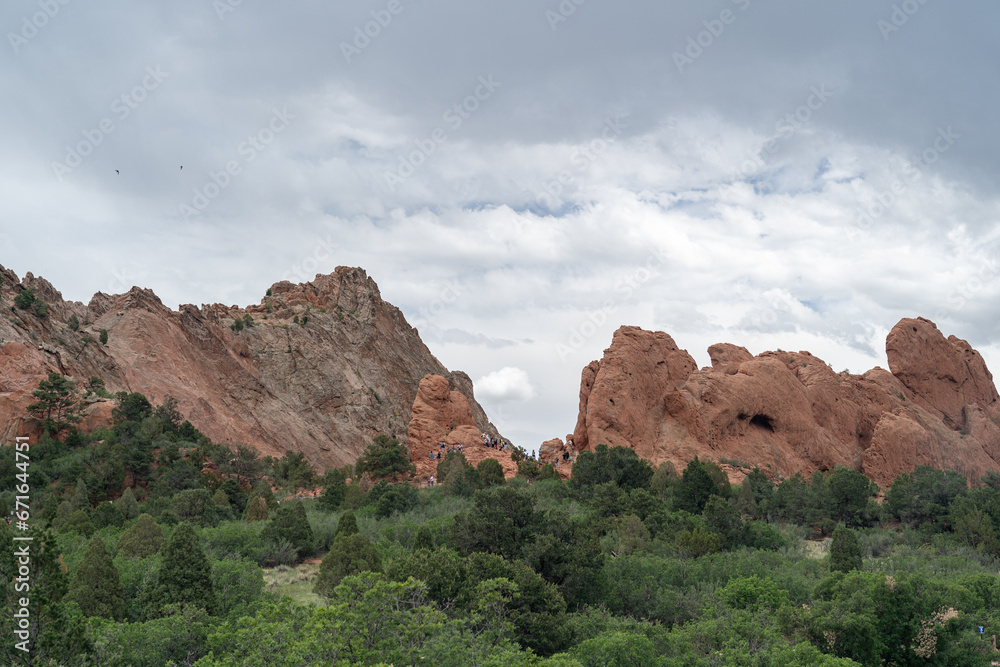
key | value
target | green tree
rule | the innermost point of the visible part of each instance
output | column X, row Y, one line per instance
column 290, row 523
column 723, row 520
column 104, row 336
column 347, row 525
column 97, row 588
column 348, row 555
column 107, row 514
column 490, row 473
column 263, row 489
column 184, row 577
column 81, row 496
column 334, row 491
column 295, row 471
column 845, row 550
column 237, row 496
column 25, row 299
column 616, row 649
column 424, row 539
column 73, row 323
column 695, row 487
column 56, row 633
column 848, row 492
column 141, row 540
column 257, row 510
column 620, row 465
column 57, row 407
column 501, row 521
column 78, row 522
column 221, row 499
column 128, row 505
column 385, row 457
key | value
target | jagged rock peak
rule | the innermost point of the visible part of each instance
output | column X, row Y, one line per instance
column 788, row 412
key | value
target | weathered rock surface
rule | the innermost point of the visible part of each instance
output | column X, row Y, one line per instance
column 325, row 387
column 442, row 415
column 788, row 412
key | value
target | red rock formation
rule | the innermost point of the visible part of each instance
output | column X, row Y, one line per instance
column 789, row 412
column 325, row 388
column 441, row 414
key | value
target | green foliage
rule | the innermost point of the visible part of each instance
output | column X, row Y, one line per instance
column 104, row 337
column 346, row 526
column 142, row 540
column 78, row 522
column 25, row 299
column 845, row 550
column 695, row 487
column 263, row 489
column 334, row 490
column 616, row 649
column 236, row 496
column 502, row 519
column 848, row 493
column 257, row 510
column 73, row 323
column 349, row 555
column 128, row 505
column 290, row 523
column 184, row 577
column 107, row 514
column 424, row 539
column 921, row 498
column 385, row 457
column 753, row 593
column 56, row 407
column 294, row 471
column 96, row 587
column 618, row 464
column 490, row 473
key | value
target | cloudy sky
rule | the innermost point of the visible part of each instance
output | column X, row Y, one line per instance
column 521, row 177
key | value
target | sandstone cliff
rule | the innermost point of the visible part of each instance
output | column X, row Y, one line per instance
column 789, row 412
column 325, row 387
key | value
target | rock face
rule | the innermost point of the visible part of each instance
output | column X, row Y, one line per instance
column 788, row 412
column 326, row 366
column 443, row 415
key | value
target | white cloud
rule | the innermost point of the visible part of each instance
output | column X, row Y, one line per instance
column 507, row 384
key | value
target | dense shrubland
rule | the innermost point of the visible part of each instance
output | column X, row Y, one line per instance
column 151, row 543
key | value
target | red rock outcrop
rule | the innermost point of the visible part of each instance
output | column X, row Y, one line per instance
column 442, row 415
column 326, row 366
column 789, row 413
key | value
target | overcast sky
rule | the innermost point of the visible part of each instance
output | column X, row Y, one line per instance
column 521, row 177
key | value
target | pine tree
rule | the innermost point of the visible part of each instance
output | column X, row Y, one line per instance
column 128, row 505
column 141, row 540
column 80, row 523
column 263, row 489
column 63, row 513
column 185, row 577
column 290, row 523
column 257, row 510
column 424, row 539
column 845, row 550
column 81, row 496
column 346, row 526
column 97, row 587
column 221, row 499
column 57, row 406
column 348, row 555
